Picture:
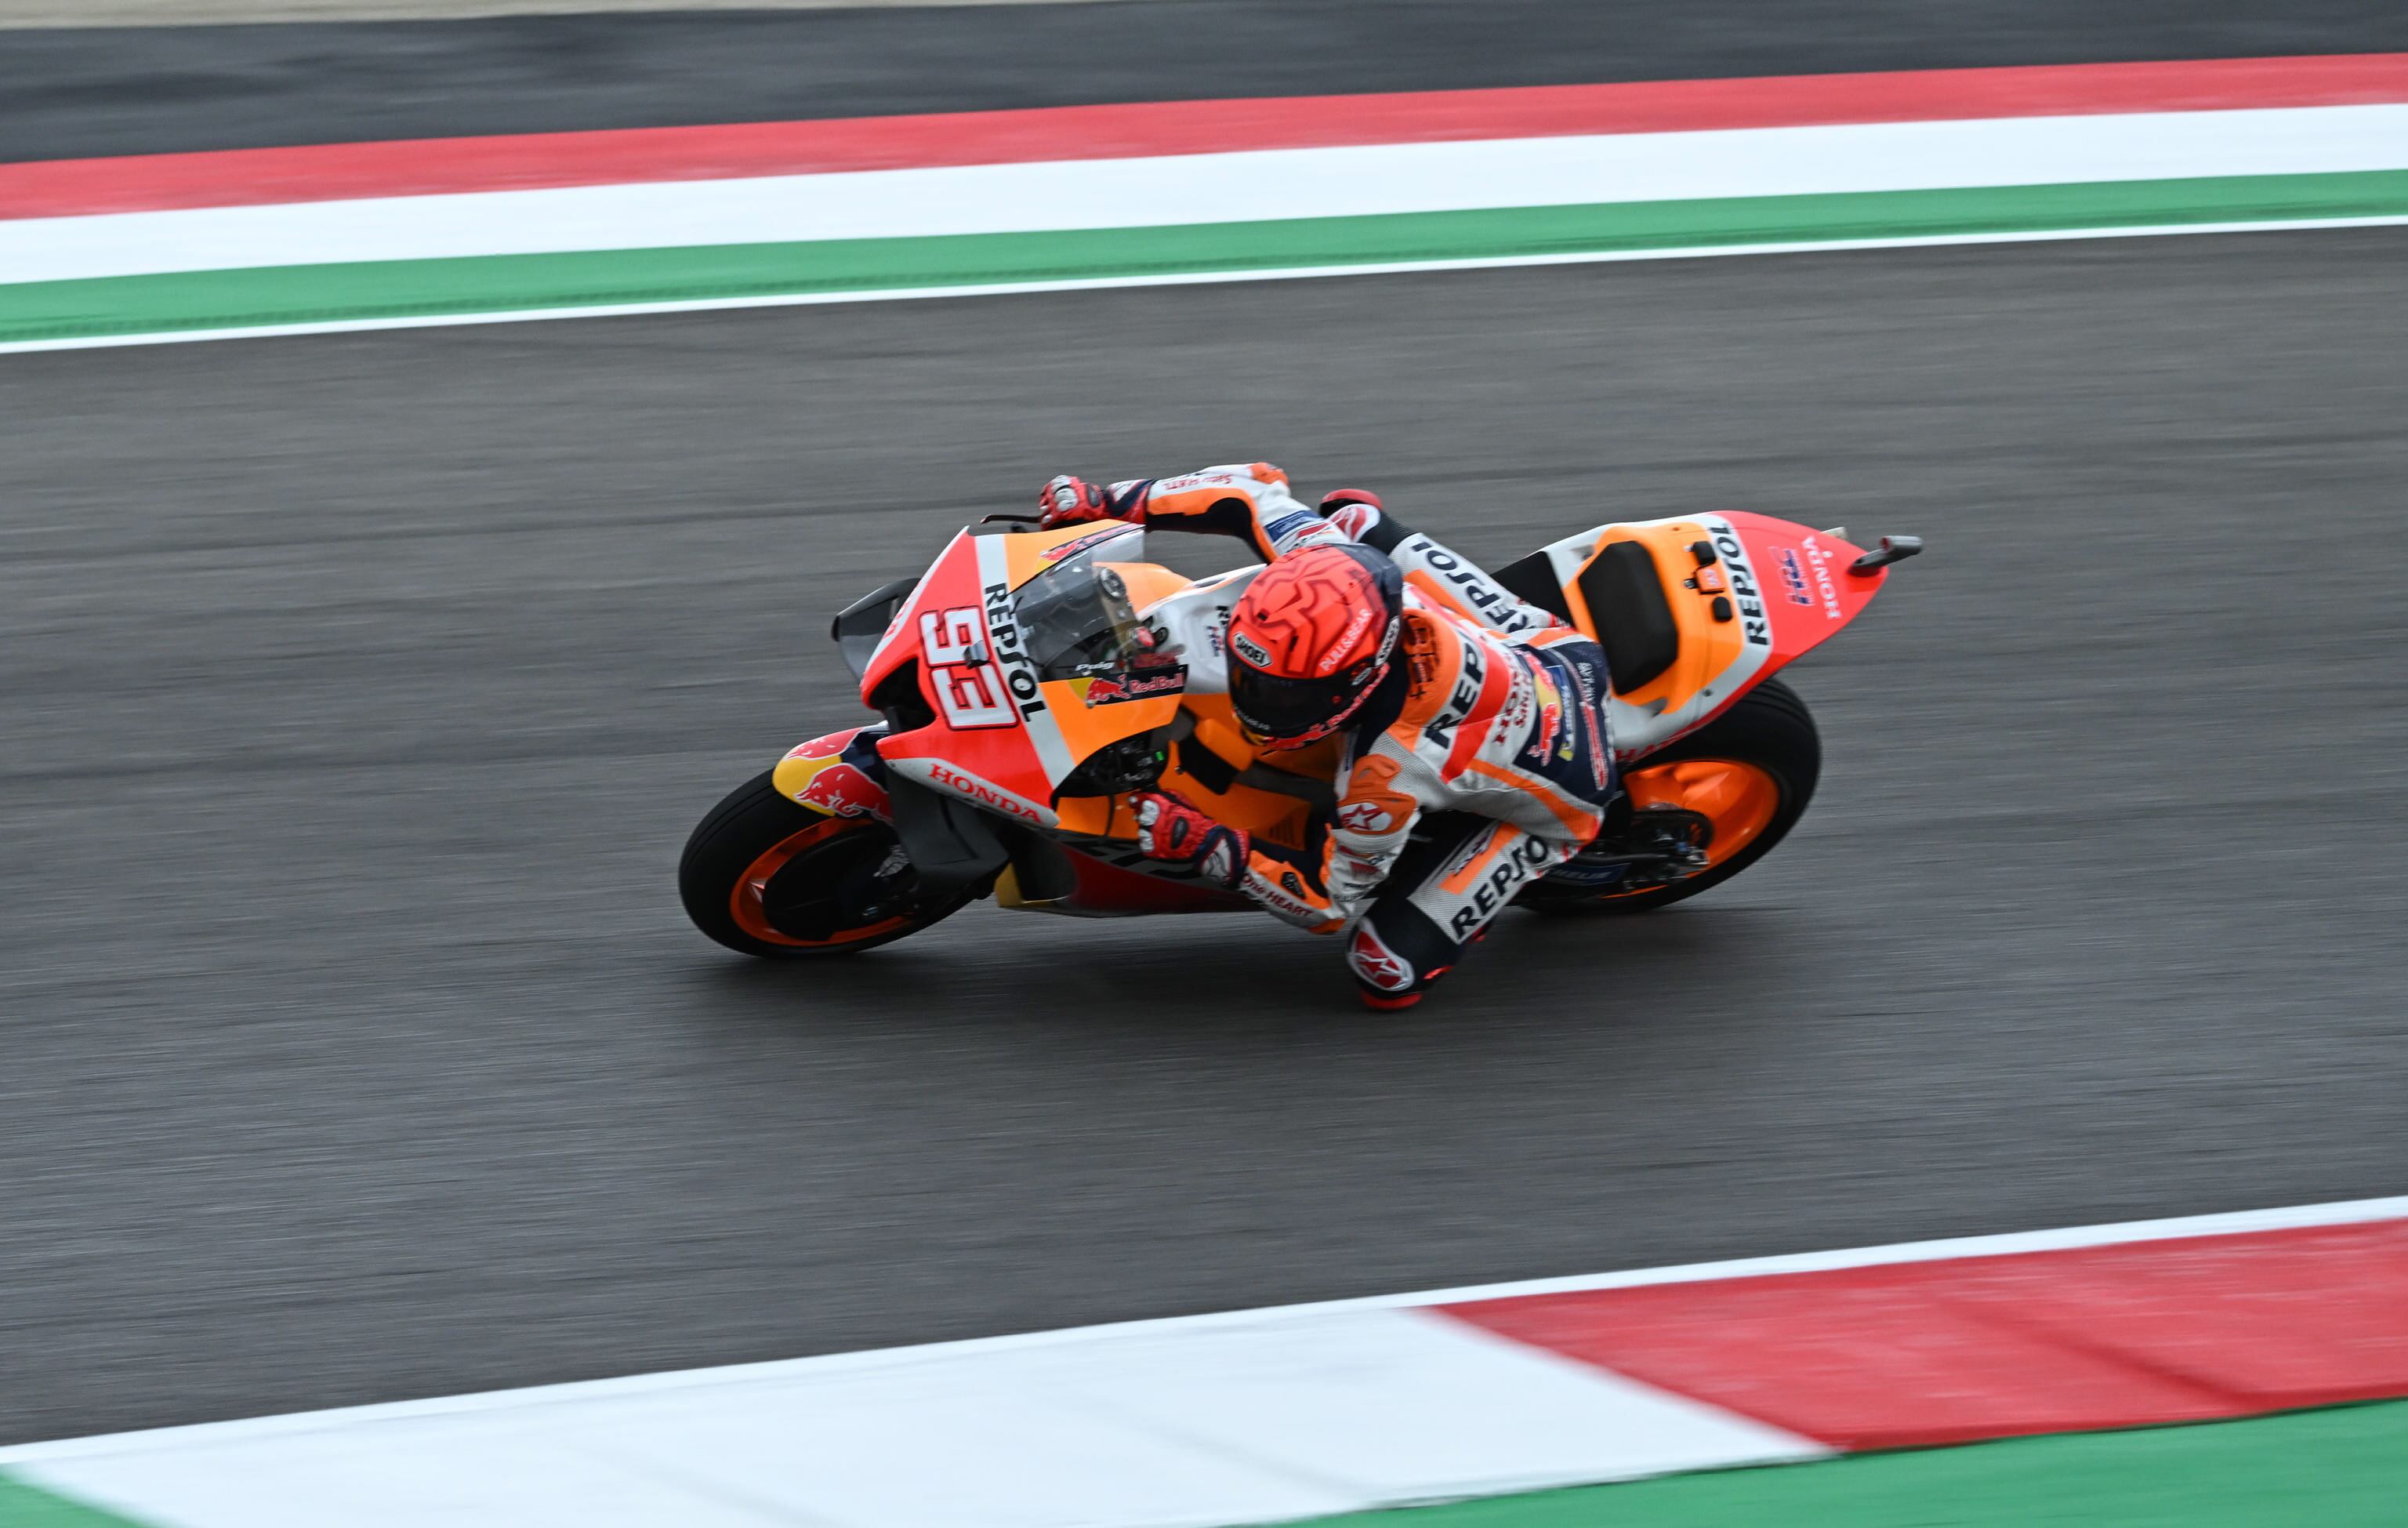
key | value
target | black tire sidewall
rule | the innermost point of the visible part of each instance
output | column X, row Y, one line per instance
column 751, row 820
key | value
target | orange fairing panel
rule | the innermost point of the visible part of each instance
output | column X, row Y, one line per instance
column 1096, row 713
column 1772, row 591
column 1148, row 583
column 1029, row 553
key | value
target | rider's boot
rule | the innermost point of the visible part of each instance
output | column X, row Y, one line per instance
column 1394, row 966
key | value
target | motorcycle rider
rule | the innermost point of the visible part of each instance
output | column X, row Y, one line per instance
column 1456, row 700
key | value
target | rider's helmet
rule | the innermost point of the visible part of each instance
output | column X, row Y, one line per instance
column 1310, row 638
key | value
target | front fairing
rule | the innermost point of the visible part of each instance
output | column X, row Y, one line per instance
column 1010, row 666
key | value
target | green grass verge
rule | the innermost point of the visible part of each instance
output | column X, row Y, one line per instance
column 2343, row 1467
column 25, row 1507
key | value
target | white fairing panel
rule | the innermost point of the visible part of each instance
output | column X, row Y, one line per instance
column 1197, row 619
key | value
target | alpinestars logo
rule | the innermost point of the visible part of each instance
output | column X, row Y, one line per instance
column 1354, row 519
column 1365, row 817
column 1379, row 966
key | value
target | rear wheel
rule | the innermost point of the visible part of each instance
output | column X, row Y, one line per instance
column 1749, row 774
column 769, row 877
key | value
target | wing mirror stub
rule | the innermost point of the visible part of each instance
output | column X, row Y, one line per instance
column 1892, row 549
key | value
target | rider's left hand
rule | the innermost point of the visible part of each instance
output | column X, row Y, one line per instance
column 1068, row 501
column 1167, row 828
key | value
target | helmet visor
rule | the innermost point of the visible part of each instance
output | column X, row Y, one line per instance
column 1271, row 706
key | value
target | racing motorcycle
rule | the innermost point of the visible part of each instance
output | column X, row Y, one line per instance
column 1031, row 681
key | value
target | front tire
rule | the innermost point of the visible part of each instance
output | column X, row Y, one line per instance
column 1752, row 771
column 765, row 877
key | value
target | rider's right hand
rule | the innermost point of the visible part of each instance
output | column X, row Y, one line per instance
column 1168, row 828
column 1068, row 501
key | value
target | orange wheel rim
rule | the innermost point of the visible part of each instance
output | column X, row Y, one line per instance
column 744, row 902
column 1740, row 800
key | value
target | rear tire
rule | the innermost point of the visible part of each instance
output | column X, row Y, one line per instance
column 765, row 877
column 1769, row 731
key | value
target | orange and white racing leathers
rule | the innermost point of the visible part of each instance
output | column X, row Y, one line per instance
column 1490, row 731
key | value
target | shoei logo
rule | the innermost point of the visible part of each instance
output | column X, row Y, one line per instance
column 1245, row 647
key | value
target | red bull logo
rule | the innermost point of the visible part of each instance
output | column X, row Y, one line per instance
column 834, row 784
column 1108, row 689
column 1551, row 715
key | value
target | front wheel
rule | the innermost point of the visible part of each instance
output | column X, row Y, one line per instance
column 769, row 877
column 1749, row 772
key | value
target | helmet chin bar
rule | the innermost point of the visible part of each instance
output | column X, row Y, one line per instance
column 1361, row 692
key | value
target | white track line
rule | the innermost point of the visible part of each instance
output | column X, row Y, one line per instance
column 1290, row 273
column 2346, row 1213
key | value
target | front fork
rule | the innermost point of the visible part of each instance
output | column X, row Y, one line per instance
column 841, row 775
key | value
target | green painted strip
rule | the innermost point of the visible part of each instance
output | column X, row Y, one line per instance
column 22, row 1505
column 129, row 305
column 2338, row 1468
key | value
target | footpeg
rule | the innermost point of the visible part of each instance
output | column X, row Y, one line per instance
column 1656, row 846
column 1682, row 860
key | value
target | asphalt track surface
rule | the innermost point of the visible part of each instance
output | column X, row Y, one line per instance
column 115, row 91
column 363, row 688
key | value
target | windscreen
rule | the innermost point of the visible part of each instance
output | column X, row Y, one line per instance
column 1078, row 622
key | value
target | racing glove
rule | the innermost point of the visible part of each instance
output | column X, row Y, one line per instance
column 1169, row 829
column 1068, row 501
